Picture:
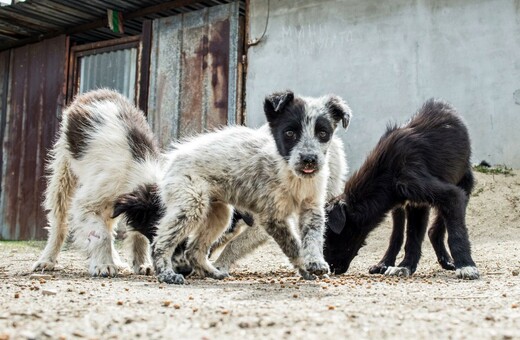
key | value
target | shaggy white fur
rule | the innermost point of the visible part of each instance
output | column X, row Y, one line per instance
column 104, row 149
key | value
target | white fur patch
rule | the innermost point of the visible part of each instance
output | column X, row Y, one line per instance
column 398, row 271
column 468, row 273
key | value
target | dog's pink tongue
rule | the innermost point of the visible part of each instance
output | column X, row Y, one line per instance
column 308, row 171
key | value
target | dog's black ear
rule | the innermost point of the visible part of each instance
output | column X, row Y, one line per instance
column 336, row 216
column 275, row 103
column 339, row 110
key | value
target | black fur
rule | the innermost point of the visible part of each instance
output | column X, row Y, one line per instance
column 142, row 208
column 237, row 216
column 337, row 111
column 79, row 131
column 285, row 114
column 425, row 163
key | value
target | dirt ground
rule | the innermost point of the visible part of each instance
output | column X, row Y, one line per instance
column 265, row 298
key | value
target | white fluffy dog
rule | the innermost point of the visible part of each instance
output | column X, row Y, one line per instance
column 244, row 236
column 105, row 148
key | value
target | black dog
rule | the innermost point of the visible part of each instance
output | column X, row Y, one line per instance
column 423, row 164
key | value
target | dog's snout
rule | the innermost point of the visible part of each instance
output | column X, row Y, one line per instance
column 309, row 159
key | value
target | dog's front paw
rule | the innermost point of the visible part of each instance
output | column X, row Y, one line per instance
column 379, row 268
column 170, row 277
column 42, row 265
column 224, row 270
column 317, row 267
column 447, row 264
column 306, row 275
column 218, row 275
column 398, row 271
column 103, row 270
column 143, row 269
column 468, row 273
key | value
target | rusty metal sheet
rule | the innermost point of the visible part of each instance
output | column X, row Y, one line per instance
column 85, row 21
column 193, row 72
column 36, row 95
column 4, row 80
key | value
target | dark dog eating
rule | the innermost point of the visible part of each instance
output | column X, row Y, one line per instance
column 421, row 165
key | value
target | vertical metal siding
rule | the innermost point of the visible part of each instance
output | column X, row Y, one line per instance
column 4, row 81
column 115, row 70
column 36, row 94
column 193, row 72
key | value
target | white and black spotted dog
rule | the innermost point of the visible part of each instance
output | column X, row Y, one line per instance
column 272, row 176
column 244, row 236
column 105, row 148
column 143, row 209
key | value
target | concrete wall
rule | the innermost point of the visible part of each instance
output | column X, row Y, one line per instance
column 387, row 57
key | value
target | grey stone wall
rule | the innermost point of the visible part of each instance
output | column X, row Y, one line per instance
column 387, row 57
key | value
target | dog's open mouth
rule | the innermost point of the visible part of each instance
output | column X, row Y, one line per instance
column 309, row 170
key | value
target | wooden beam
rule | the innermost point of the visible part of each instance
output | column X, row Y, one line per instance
column 102, row 22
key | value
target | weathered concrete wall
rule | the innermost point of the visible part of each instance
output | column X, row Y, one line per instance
column 387, row 57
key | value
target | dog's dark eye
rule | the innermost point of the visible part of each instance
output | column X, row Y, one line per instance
column 290, row 134
column 323, row 134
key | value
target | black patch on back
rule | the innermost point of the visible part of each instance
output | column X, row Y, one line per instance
column 79, row 131
column 141, row 143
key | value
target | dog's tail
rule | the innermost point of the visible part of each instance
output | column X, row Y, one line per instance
column 61, row 184
column 142, row 209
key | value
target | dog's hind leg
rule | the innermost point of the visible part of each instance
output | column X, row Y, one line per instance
column 139, row 250
column 60, row 188
column 198, row 250
column 396, row 242
column 417, row 221
column 245, row 243
column 451, row 202
column 187, row 209
column 436, row 234
column 92, row 227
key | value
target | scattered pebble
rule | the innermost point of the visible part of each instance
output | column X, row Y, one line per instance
column 40, row 276
column 49, row 292
column 331, row 307
column 176, row 306
column 515, row 272
column 78, row 334
column 16, row 295
column 119, row 303
column 166, row 303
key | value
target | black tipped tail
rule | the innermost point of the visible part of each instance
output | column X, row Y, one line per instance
column 142, row 209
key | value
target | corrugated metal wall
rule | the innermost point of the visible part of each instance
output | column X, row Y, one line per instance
column 4, row 81
column 35, row 99
column 193, row 72
column 115, row 70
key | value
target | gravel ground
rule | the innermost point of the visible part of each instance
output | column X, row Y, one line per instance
column 265, row 298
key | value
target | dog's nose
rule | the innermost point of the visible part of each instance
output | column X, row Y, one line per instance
column 309, row 159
